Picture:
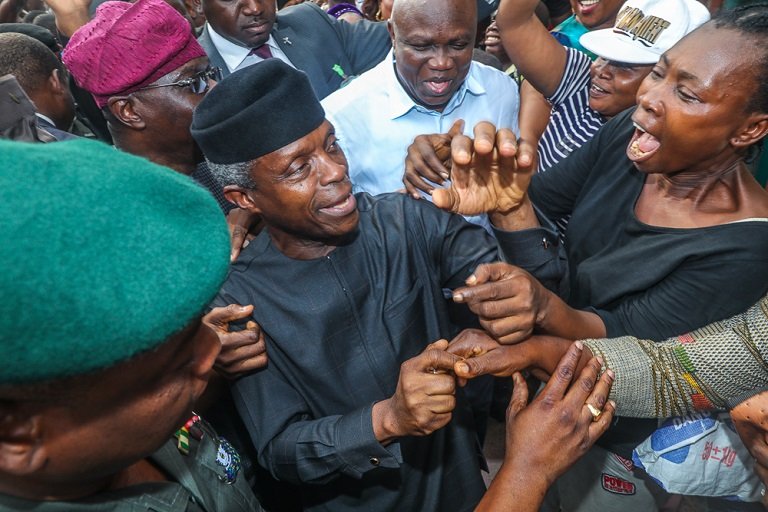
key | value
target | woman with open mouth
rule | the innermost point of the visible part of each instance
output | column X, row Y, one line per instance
column 668, row 229
column 582, row 95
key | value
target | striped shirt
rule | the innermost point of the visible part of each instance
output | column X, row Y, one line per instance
column 572, row 122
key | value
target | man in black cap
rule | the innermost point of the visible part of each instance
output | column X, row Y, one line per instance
column 349, row 291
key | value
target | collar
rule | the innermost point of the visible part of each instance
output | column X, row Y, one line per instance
column 45, row 118
column 233, row 54
column 400, row 103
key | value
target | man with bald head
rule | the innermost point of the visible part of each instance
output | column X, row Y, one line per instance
column 427, row 82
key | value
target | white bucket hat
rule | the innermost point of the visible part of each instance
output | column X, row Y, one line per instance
column 645, row 29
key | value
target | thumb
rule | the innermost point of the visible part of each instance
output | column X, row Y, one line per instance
column 445, row 199
column 519, row 396
column 526, row 155
column 441, row 344
column 489, row 272
column 490, row 363
column 222, row 316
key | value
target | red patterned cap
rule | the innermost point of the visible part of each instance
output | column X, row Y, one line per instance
column 128, row 46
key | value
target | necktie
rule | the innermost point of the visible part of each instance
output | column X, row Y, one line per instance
column 262, row 51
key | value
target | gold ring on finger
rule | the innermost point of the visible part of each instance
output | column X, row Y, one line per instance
column 596, row 413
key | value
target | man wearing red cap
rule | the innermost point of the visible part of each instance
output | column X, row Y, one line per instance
column 147, row 73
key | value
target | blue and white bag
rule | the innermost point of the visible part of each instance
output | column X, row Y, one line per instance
column 699, row 454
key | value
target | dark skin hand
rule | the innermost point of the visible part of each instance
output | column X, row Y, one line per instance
column 70, row 14
column 549, row 435
column 508, row 300
column 483, row 355
column 241, row 351
column 430, row 158
column 424, row 399
column 243, row 227
column 750, row 418
column 511, row 303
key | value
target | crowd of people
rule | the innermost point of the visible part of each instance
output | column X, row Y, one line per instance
column 279, row 256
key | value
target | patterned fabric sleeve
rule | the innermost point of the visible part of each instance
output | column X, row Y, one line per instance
column 715, row 367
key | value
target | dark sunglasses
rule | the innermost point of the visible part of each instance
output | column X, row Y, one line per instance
column 197, row 83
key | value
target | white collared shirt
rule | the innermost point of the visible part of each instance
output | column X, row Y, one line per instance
column 376, row 120
column 237, row 57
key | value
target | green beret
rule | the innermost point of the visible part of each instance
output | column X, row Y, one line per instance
column 104, row 255
column 255, row 111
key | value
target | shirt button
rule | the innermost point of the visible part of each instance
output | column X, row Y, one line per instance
column 545, row 243
column 374, row 461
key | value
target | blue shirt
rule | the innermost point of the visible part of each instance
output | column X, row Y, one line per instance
column 376, row 120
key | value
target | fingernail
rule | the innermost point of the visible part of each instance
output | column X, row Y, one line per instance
column 461, row 368
column 243, row 308
column 579, row 345
column 415, row 196
column 457, row 297
column 471, row 279
column 444, row 175
column 613, row 404
column 599, row 361
column 610, row 373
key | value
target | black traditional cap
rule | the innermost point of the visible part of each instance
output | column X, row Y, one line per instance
column 255, row 111
column 42, row 34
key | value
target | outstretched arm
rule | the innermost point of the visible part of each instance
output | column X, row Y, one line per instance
column 679, row 375
column 530, row 47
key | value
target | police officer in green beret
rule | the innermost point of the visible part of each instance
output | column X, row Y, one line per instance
column 104, row 347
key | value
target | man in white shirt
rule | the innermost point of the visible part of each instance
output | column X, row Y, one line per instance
column 426, row 83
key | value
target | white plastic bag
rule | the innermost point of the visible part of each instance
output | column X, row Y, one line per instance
column 701, row 455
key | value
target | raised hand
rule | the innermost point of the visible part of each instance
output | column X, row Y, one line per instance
column 424, row 399
column 70, row 14
column 484, row 174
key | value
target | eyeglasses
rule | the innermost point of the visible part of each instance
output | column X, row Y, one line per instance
column 197, row 83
